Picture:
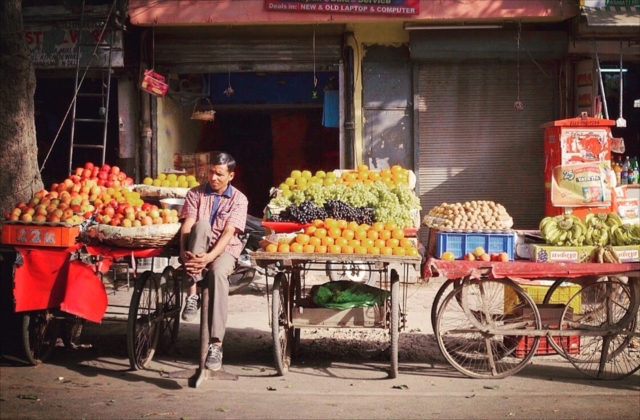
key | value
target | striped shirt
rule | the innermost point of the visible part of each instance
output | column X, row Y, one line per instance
column 228, row 208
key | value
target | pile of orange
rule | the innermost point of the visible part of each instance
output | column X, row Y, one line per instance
column 391, row 177
column 341, row 237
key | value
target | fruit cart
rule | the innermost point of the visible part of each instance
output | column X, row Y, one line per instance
column 58, row 289
column 290, row 314
column 482, row 316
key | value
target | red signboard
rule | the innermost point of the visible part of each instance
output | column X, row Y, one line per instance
column 378, row 7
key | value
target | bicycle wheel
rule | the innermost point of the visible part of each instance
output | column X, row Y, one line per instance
column 281, row 330
column 145, row 320
column 39, row 335
column 171, row 288
column 394, row 324
column 479, row 341
column 604, row 305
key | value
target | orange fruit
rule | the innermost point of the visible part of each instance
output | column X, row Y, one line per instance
column 348, row 234
column 361, row 250
column 335, row 249
column 374, row 176
column 320, row 232
column 413, row 252
column 363, row 176
column 406, row 243
column 363, row 168
column 367, row 243
column 310, row 230
column 341, row 242
column 393, row 242
column 396, row 169
column 385, row 173
column 347, row 249
column 296, row 247
column 391, row 226
column 377, row 226
column 335, row 232
column 361, row 234
column 384, row 234
column 372, row 234
column 342, row 224
column 447, row 256
column 364, row 226
column 379, row 243
column 374, row 250
column 272, row 248
column 385, row 250
column 315, row 241
column 302, row 238
column 318, row 223
column 353, row 226
column 330, row 223
column 321, row 249
column 327, row 240
column 309, row 249
column 283, row 248
column 397, row 233
column 355, row 242
column 399, row 251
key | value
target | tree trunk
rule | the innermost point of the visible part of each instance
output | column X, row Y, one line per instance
column 19, row 175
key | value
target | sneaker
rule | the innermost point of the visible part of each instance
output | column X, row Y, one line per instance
column 191, row 306
column 214, row 358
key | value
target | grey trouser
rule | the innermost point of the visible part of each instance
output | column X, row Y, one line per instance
column 218, row 277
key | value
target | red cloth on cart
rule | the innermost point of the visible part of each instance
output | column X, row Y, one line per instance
column 524, row 269
column 48, row 278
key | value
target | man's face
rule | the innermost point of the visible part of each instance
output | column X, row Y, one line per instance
column 219, row 177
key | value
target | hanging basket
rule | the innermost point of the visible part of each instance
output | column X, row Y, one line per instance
column 201, row 113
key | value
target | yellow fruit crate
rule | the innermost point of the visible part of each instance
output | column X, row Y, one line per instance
column 538, row 290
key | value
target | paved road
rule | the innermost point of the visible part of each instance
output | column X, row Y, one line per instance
column 335, row 376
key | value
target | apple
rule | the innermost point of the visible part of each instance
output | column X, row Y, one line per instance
column 30, row 211
column 127, row 181
column 503, row 257
column 147, row 221
column 40, row 218
column 137, row 223
column 485, row 257
column 94, row 172
column 86, row 173
column 26, row 217
column 79, row 171
column 14, row 217
column 52, row 218
column 122, row 176
column 105, row 168
column 68, row 212
column 114, row 222
column 88, row 165
column 126, row 223
column 479, row 251
column 469, row 256
column 103, row 175
column 17, row 211
column 115, row 170
column 106, row 219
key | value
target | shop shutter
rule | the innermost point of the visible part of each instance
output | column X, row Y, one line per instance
column 210, row 54
column 474, row 144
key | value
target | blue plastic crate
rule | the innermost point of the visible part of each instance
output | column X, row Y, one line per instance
column 461, row 243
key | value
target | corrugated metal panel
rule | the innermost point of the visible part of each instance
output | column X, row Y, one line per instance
column 207, row 54
column 474, row 144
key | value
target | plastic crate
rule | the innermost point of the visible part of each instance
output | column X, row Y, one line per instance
column 537, row 292
column 572, row 345
column 461, row 243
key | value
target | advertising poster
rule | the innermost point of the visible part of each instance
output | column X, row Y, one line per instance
column 582, row 145
column 376, row 7
column 582, row 185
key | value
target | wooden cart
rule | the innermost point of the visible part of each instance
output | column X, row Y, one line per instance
column 289, row 314
column 482, row 314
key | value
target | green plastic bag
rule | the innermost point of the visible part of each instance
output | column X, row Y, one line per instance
column 346, row 294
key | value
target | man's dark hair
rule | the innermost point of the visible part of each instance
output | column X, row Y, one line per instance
column 222, row 158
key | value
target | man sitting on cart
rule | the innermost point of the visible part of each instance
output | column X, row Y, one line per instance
column 212, row 217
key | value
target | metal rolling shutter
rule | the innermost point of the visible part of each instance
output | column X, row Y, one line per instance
column 473, row 143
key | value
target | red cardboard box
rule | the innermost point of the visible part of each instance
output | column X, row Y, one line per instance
column 154, row 83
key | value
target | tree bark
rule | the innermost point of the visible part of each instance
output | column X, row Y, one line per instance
column 19, row 175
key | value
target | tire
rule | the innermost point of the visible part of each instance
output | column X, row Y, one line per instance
column 603, row 305
column 145, row 321
column 461, row 335
column 39, row 335
column 282, row 333
column 171, row 288
column 394, row 324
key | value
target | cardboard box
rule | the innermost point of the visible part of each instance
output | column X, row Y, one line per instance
column 154, row 83
column 628, row 253
column 573, row 254
column 52, row 235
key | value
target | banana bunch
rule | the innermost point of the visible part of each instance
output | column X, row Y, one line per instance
column 598, row 233
column 565, row 230
column 606, row 254
column 625, row 234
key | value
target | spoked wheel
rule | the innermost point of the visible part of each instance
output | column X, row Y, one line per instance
column 280, row 324
column 442, row 292
column 604, row 305
column 476, row 333
column 39, row 335
column 145, row 320
column 394, row 324
column 359, row 272
column 171, row 287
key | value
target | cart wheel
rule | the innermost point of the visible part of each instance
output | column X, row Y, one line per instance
column 171, row 287
column 145, row 319
column 281, row 331
column 39, row 335
column 394, row 325
column 359, row 272
column 71, row 331
column 603, row 305
column 437, row 301
column 464, row 342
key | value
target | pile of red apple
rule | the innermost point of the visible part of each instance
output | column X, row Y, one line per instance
column 91, row 189
column 479, row 254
